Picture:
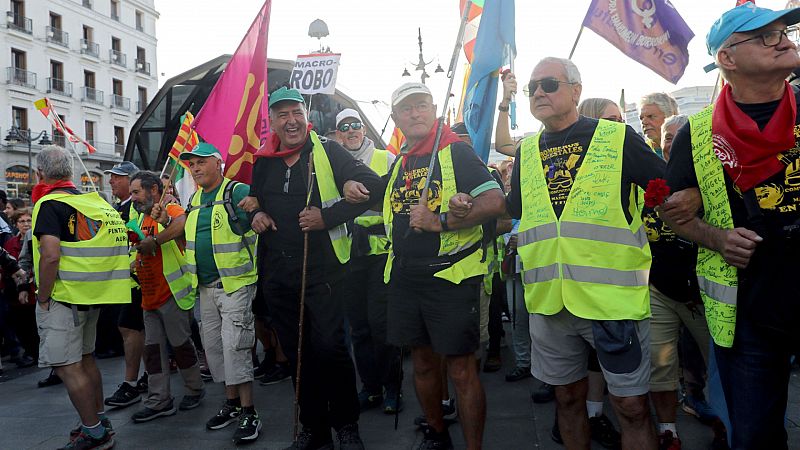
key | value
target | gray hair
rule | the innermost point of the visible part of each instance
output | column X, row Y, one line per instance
column 55, row 163
column 663, row 101
column 678, row 119
column 570, row 69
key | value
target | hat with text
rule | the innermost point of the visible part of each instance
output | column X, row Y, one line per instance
column 285, row 94
column 409, row 89
column 743, row 18
column 347, row 113
column 125, row 168
column 203, row 150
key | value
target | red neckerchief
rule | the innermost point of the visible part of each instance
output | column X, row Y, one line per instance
column 750, row 155
column 42, row 189
column 274, row 149
column 425, row 146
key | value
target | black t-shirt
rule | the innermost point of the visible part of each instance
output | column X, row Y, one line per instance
column 471, row 177
column 766, row 291
column 563, row 151
column 124, row 209
column 57, row 219
column 674, row 259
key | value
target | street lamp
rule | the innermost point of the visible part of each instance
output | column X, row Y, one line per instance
column 421, row 64
column 16, row 134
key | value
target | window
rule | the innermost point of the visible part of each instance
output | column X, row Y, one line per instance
column 88, row 79
column 56, row 70
column 119, row 140
column 19, row 117
column 56, row 81
column 18, row 8
column 139, row 20
column 55, row 21
column 58, row 137
column 115, row 10
column 18, row 59
column 142, row 100
column 116, row 44
column 140, row 54
column 88, row 33
column 89, row 127
column 116, row 86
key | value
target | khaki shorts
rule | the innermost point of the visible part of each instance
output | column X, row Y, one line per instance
column 61, row 343
column 228, row 330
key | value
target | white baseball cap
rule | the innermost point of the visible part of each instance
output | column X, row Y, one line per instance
column 409, row 89
column 347, row 113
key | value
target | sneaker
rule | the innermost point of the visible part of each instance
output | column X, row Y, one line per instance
column 262, row 368
column 141, row 383
column 249, row 426
column 519, row 373
column 368, row 401
column 604, row 433
column 504, row 317
column 73, row 434
column 126, row 395
column 278, row 373
column 348, row 437
column 546, row 393
column 555, row 433
column 191, row 401
column 667, row 441
column 83, row 441
column 392, row 402
column 307, row 440
column 699, row 407
column 51, row 380
column 449, row 410
column 147, row 414
column 23, row 361
column 205, row 374
column 492, row 364
column 226, row 416
column 435, row 441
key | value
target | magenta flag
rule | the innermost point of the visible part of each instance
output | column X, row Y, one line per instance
column 235, row 116
column 650, row 32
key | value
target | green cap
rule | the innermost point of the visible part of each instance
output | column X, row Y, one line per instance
column 285, row 93
column 203, row 150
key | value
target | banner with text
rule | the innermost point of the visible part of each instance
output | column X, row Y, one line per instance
column 315, row 74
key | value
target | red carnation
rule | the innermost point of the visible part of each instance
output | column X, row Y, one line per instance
column 656, row 193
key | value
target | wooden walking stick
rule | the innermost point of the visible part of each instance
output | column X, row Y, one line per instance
column 303, row 278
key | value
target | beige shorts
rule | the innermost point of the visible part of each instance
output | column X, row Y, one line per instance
column 61, row 343
column 228, row 330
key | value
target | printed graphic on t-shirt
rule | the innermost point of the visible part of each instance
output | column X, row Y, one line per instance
column 560, row 165
column 781, row 194
column 657, row 230
column 408, row 191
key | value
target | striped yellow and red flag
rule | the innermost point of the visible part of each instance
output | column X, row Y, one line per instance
column 186, row 139
column 473, row 22
column 396, row 141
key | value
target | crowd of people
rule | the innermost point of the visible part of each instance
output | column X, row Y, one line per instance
column 613, row 296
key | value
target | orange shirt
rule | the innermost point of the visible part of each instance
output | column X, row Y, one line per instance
column 150, row 269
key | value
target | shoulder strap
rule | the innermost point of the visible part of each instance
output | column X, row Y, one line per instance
column 227, row 195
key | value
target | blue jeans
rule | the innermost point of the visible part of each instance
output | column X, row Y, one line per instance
column 755, row 380
column 521, row 337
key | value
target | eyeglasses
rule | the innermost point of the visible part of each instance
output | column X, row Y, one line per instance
column 24, row 221
column 771, row 38
column 549, row 85
column 421, row 107
column 352, row 125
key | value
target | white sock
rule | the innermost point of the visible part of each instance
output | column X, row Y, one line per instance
column 131, row 383
column 595, row 409
column 662, row 427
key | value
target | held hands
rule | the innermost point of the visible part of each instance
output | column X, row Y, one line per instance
column 249, row 204
column 423, row 219
column 262, row 222
column 509, row 88
column 355, row 192
column 23, row 297
column 460, row 205
column 20, row 276
column 311, row 219
column 737, row 246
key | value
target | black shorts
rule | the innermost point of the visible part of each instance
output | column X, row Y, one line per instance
column 436, row 313
column 131, row 315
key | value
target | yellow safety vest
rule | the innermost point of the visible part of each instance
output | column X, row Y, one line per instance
column 236, row 267
column 450, row 242
column 378, row 244
column 718, row 280
column 329, row 195
column 590, row 260
column 177, row 274
column 94, row 271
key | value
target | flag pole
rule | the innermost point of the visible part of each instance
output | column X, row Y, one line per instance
column 575, row 45
column 622, row 105
column 74, row 150
column 512, row 105
column 715, row 92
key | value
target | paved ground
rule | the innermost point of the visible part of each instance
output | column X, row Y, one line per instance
column 41, row 418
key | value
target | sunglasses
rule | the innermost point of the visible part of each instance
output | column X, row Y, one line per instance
column 549, row 85
column 352, row 125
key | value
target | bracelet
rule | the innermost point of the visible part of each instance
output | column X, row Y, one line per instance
column 500, row 107
column 443, row 221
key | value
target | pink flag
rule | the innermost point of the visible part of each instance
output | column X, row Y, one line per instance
column 234, row 117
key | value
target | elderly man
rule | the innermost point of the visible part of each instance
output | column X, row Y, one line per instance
column 581, row 244
column 80, row 255
column 365, row 292
column 654, row 109
column 668, row 131
column 742, row 153
column 299, row 161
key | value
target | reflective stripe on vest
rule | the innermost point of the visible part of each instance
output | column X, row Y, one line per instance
column 718, row 280
column 590, row 260
column 94, row 271
column 450, row 242
column 329, row 195
column 177, row 274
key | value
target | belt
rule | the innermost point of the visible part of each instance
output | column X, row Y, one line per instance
column 214, row 284
column 435, row 261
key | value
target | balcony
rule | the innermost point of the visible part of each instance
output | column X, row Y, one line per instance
column 142, row 67
column 90, row 48
column 118, row 58
column 120, row 102
column 19, row 23
column 56, row 86
column 92, row 95
column 119, row 149
column 87, row 3
column 20, row 77
column 56, row 36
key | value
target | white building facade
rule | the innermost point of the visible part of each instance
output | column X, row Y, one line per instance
column 96, row 61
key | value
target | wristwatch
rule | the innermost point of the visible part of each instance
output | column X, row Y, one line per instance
column 169, row 221
column 443, row 221
column 500, row 107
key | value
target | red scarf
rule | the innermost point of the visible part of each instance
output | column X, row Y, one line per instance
column 750, row 155
column 274, row 149
column 41, row 189
column 425, row 146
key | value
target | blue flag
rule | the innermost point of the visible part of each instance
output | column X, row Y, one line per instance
column 495, row 46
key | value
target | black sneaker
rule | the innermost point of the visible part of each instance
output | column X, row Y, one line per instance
column 307, row 440
column 191, row 401
column 278, row 373
column 83, row 441
column 226, row 416
column 449, row 414
column 546, row 393
column 519, row 373
column 141, row 384
column 493, row 363
column 51, row 380
column 262, row 368
column 205, row 374
column 367, row 400
column 348, row 437
column 126, row 395
column 604, row 433
column 147, row 414
column 249, row 426
column 435, row 441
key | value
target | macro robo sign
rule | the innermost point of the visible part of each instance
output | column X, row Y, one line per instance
column 315, row 74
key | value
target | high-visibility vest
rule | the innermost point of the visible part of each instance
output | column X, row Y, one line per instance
column 378, row 244
column 450, row 242
column 590, row 260
column 329, row 195
column 93, row 271
column 235, row 262
column 177, row 274
column 718, row 280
